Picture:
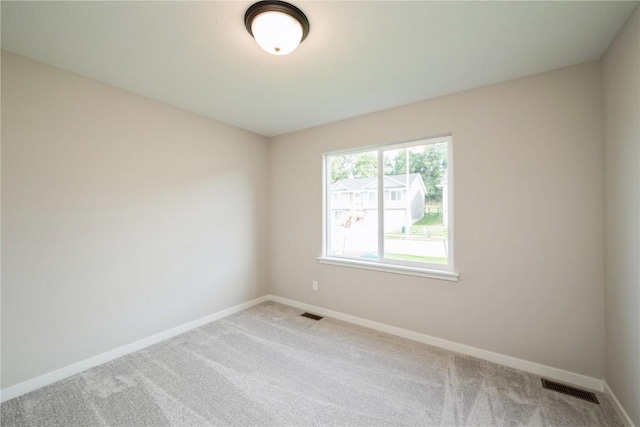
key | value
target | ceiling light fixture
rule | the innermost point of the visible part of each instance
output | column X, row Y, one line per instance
column 277, row 26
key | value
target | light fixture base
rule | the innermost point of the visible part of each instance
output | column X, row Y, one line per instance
column 276, row 6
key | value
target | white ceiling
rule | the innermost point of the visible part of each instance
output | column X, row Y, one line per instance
column 359, row 57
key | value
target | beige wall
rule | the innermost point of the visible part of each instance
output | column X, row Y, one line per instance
column 122, row 217
column 621, row 77
column 528, row 218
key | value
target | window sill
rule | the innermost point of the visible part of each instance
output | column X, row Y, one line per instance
column 388, row 268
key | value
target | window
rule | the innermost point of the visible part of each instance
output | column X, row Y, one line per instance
column 396, row 195
column 408, row 227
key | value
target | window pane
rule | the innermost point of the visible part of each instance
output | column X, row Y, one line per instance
column 415, row 204
column 353, row 218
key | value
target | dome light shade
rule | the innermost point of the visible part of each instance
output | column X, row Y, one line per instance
column 276, row 32
column 277, row 27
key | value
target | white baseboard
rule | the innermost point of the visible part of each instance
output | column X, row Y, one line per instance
column 535, row 368
column 62, row 373
column 512, row 362
column 624, row 417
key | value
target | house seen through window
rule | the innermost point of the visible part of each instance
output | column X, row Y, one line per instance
column 394, row 204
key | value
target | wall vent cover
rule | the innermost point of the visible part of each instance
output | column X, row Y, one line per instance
column 311, row 316
column 571, row 391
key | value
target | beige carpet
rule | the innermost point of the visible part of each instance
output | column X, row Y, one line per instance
column 268, row 366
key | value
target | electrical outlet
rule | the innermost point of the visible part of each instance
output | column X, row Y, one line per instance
column 315, row 285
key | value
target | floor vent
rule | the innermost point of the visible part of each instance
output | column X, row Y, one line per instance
column 571, row 391
column 311, row 316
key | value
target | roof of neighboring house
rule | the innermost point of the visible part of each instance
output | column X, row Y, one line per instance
column 390, row 181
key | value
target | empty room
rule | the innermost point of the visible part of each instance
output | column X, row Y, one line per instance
column 349, row 213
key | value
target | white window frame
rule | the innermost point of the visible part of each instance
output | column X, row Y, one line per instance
column 413, row 268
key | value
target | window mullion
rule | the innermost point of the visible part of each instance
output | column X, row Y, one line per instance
column 327, row 200
column 380, row 204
